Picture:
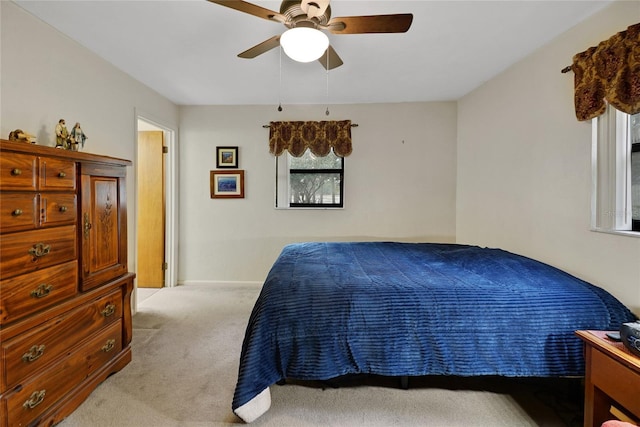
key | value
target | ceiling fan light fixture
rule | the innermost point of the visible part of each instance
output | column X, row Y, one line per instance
column 304, row 44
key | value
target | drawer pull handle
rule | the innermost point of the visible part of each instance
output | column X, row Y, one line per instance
column 35, row 399
column 39, row 250
column 87, row 225
column 16, row 172
column 17, row 212
column 109, row 346
column 62, row 209
column 108, row 310
column 33, row 354
column 62, row 175
column 41, row 291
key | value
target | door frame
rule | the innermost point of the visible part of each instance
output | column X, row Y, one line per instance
column 171, row 199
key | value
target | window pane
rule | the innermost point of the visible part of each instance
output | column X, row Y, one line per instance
column 315, row 189
column 635, row 170
column 309, row 161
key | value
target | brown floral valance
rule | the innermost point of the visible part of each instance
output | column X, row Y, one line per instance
column 611, row 72
column 319, row 137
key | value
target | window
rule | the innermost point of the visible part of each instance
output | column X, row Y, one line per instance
column 635, row 171
column 616, row 172
column 309, row 181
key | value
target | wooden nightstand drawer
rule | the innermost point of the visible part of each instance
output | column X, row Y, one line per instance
column 56, row 174
column 30, row 352
column 22, row 295
column 616, row 380
column 33, row 250
column 32, row 398
column 18, row 211
column 58, row 209
column 18, row 172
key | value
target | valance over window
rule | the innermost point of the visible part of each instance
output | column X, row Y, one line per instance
column 319, row 137
column 611, row 72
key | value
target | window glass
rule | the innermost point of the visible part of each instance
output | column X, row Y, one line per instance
column 309, row 181
column 634, row 122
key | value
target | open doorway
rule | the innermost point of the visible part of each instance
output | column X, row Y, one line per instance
column 155, row 216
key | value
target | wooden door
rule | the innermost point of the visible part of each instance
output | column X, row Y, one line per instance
column 151, row 212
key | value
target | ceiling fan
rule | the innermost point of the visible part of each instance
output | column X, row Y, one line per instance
column 315, row 15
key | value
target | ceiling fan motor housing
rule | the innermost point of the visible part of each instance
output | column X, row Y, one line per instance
column 297, row 17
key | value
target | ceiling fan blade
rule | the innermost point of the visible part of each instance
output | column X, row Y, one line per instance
column 261, row 48
column 251, row 9
column 334, row 60
column 398, row 23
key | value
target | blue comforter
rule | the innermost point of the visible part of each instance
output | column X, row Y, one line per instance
column 407, row 309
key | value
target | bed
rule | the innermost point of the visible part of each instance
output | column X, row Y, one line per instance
column 412, row 309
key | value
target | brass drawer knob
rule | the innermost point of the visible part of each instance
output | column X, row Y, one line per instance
column 62, row 175
column 108, row 310
column 109, row 345
column 33, row 354
column 17, row 212
column 41, row 291
column 16, row 172
column 62, row 209
column 39, row 250
column 35, row 399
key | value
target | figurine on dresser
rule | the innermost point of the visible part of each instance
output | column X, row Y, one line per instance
column 62, row 135
column 77, row 137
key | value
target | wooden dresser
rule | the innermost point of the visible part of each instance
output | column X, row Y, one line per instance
column 65, row 312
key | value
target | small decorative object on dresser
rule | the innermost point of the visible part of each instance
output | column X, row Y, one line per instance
column 612, row 380
column 22, row 136
column 77, row 137
column 62, row 135
column 65, row 312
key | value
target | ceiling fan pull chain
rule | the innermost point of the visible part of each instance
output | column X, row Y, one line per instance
column 327, row 112
column 280, row 84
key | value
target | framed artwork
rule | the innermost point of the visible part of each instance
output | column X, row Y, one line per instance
column 227, row 157
column 227, row 184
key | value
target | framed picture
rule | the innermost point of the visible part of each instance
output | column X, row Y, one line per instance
column 227, row 157
column 227, row 184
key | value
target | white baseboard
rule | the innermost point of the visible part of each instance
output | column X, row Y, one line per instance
column 219, row 283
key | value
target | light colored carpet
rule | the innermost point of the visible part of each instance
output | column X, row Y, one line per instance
column 186, row 345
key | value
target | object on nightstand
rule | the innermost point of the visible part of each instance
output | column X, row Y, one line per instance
column 617, row 423
column 630, row 334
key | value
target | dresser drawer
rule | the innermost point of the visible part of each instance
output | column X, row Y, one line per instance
column 33, row 397
column 18, row 211
column 28, row 293
column 617, row 381
column 30, row 352
column 58, row 209
column 57, row 174
column 17, row 172
column 33, row 250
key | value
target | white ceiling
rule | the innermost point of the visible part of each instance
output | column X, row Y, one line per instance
column 186, row 49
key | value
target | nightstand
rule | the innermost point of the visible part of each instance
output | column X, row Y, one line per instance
column 612, row 380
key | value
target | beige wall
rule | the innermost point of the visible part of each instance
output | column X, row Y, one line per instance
column 524, row 179
column 399, row 185
column 45, row 76
column 522, row 160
